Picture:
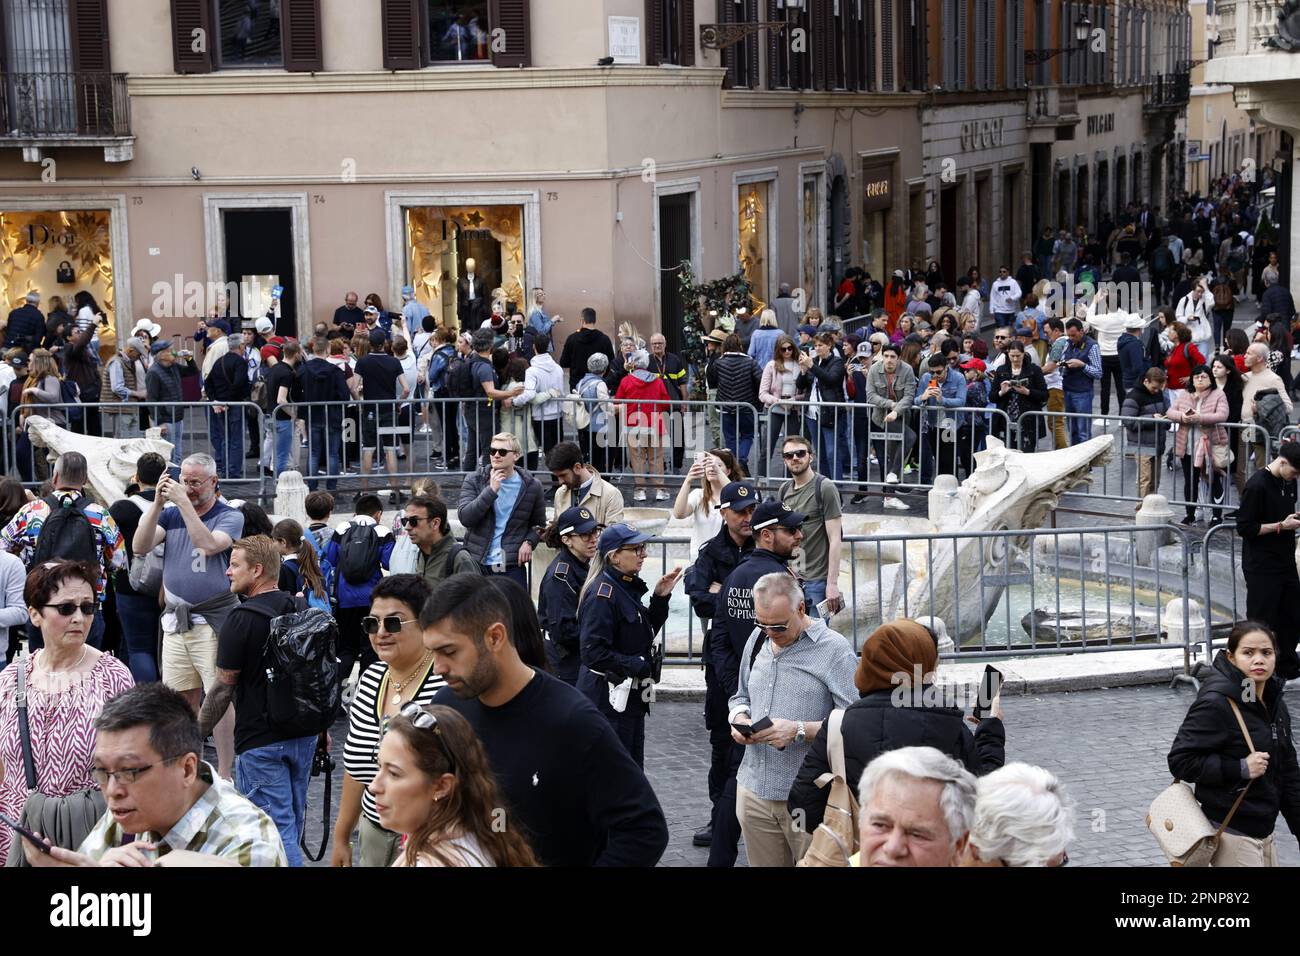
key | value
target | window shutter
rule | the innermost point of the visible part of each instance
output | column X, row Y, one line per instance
column 188, row 16
column 88, row 29
column 751, row 45
column 512, row 16
column 962, row 76
column 654, row 31
column 869, row 43
column 686, row 41
column 403, row 34
column 822, row 27
column 908, row 44
column 774, row 40
column 887, row 46
column 1018, row 50
column 300, row 32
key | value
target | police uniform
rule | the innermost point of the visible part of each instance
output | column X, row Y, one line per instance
column 617, row 637
column 733, row 623
column 557, row 600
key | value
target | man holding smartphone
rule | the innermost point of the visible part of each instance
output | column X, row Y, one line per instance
column 1267, row 522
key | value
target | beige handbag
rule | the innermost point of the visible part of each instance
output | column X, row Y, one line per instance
column 836, row 838
column 1179, row 824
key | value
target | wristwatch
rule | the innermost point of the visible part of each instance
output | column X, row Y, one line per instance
column 800, row 734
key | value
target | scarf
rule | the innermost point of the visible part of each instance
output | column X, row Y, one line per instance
column 899, row 647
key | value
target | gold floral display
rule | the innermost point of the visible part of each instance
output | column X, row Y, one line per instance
column 34, row 244
column 752, row 233
column 431, row 243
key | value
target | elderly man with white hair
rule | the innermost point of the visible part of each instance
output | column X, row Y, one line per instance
column 1023, row 817
column 1258, row 378
column 918, row 806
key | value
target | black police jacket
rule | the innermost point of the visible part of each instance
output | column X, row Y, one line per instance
column 717, row 558
column 557, row 605
column 733, row 617
column 1209, row 749
column 617, row 630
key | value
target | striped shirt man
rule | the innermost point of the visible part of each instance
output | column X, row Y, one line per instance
column 19, row 536
column 221, row 823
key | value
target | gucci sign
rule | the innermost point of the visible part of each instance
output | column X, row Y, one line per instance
column 981, row 134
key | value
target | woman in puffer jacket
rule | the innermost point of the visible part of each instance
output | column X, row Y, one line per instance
column 907, row 712
column 1211, row 751
column 1200, row 411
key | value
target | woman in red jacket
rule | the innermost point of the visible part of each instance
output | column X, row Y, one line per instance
column 895, row 299
column 643, row 423
column 1184, row 357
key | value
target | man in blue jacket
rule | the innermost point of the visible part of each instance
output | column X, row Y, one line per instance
column 1080, row 370
column 1132, row 356
column 353, row 596
column 939, row 389
column 777, row 536
column 26, row 325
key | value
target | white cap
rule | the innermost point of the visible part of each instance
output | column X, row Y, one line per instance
column 264, row 326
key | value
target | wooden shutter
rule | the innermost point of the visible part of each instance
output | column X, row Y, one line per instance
column 822, row 27
column 686, row 28
column 88, row 35
column 869, row 43
column 300, row 36
column 750, row 15
column 774, row 41
column 887, row 46
column 403, row 34
column 512, row 17
column 188, row 16
column 655, row 13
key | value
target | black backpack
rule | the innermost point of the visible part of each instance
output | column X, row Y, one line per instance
column 70, row 396
column 67, row 532
column 303, row 683
column 359, row 553
column 460, row 377
column 1162, row 261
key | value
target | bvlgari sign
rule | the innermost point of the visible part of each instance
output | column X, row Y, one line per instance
column 877, row 187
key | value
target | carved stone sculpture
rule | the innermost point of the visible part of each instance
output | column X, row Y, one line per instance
column 110, row 461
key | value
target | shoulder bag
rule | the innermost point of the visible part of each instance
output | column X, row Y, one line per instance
column 64, row 821
column 836, row 838
column 1179, row 824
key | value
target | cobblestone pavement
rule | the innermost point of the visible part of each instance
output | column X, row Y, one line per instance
column 1108, row 746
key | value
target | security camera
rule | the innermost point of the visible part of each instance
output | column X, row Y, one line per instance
column 194, row 171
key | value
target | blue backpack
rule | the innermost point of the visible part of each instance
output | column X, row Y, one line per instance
column 70, row 395
column 319, row 539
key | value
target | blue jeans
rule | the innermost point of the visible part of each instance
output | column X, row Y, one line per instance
column 324, row 439
column 140, row 614
column 833, row 455
column 283, row 446
column 275, row 779
column 814, row 592
column 1004, row 319
column 175, row 432
column 738, row 432
column 1081, row 427
column 227, row 434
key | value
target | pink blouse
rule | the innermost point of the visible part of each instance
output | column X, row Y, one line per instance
column 62, row 731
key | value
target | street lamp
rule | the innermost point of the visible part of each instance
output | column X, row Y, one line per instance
column 1082, row 29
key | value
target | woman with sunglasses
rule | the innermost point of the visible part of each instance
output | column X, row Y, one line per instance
column 573, row 536
column 779, row 393
column 617, row 637
column 403, row 673
column 67, row 683
column 435, row 786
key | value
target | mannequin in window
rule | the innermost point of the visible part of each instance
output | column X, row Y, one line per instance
column 471, row 297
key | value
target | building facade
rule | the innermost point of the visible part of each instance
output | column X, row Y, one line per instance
column 162, row 151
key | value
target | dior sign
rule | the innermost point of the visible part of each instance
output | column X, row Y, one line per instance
column 981, row 134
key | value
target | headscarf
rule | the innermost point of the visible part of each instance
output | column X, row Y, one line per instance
column 898, row 647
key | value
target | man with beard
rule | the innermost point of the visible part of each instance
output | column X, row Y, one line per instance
column 569, row 783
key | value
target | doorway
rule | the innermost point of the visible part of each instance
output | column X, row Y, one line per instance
column 948, row 232
column 839, row 235
column 259, row 242
column 674, row 249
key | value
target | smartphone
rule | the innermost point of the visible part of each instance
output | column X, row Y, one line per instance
column 762, row 724
column 990, row 685
column 745, row 730
column 43, row 845
column 824, row 608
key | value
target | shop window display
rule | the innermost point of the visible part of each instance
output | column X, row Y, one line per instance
column 33, row 246
column 752, row 229
column 442, row 239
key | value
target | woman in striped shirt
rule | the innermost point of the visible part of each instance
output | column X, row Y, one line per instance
column 403, row 673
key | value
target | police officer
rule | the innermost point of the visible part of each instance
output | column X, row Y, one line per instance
column 573, row 536
column 717, row 558
column 777, row 535
column 620, row 657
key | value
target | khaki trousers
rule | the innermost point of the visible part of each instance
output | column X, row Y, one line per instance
column 1240, row 469
column 1146, row 469
column 1056, row 403
column 771, row 838
column 1237, row 850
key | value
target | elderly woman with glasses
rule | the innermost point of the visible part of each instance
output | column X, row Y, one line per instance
column 403, row 673
column 435, row 786
column 66, row 684
column 620, row 655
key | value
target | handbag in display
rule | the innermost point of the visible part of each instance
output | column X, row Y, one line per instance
column 64, row 821
column 1180, row 826
column 836, row 838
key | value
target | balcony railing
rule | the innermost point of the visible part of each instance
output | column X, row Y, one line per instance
column 56, row 105
column 1167, row 91
column 1053, row 104
column 1247, row 26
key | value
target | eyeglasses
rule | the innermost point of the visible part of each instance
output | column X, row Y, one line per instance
column 131, row 775
column 638, row 549
column 69, row 608
column 421, row 719
column 501, row 452
column 191, row 483
column 794, row 455
column 392, row 623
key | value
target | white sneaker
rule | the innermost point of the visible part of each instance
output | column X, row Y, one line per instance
column 1100, row 423
column 891, row 479
column 662, row 495
column 896, row 504
column 638, row 495
column 425, row 429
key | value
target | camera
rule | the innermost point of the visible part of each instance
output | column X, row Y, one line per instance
column 322, row 762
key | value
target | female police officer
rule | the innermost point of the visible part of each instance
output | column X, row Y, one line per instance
column 573, row 536
column 619, row 659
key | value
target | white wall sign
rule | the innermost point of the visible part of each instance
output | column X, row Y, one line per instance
column 625, row 39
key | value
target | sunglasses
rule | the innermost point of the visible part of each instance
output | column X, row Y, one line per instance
column 69, row 608
column 794, row 455
column 421, row 719
column 772, row 628
column 411, row 521
column 501, row 452
column 392, row 623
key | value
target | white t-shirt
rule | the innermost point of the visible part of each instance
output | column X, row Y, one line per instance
column 704, row 525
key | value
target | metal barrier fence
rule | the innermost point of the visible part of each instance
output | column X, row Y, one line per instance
column 1289, row 433
column 1148, row 444
column 1013, row 593
column 1227, row 590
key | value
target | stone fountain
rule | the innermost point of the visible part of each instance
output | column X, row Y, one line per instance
column 110, row 461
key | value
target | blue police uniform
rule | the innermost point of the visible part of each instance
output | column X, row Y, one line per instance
column 557, row 609
column 617, row 632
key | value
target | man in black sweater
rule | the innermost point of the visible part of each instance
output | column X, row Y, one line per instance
column 571, row 786
column 582, row 345
column 226, row 386
column 1267, row 522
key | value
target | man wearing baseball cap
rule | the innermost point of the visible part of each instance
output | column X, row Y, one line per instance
column 777, row 535
column 618, row 647
column 717, row 558
column 413, row 310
